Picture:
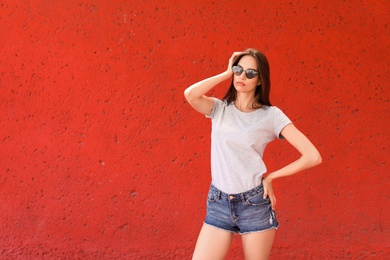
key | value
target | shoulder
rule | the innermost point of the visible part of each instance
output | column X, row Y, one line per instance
column 274, row 110
column 219, row 106
column 269, row 110
column 219, row 101
column 275, row 114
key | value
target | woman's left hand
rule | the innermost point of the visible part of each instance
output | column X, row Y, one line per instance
column 269, row 192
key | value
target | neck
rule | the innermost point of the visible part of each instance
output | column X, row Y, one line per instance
column 245, row 103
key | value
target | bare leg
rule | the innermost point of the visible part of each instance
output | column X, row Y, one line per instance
column 258, row 245
column 213, row 243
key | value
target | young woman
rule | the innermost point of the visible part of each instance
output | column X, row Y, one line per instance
column 241, row 200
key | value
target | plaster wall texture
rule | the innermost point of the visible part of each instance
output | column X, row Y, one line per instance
column 102, row 158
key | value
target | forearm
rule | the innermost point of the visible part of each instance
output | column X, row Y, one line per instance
column 303, row 163
column 200, row 88
column 309, row 154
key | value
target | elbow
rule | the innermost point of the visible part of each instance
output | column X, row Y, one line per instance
column 318, row 159
column 315, row 159
column 187, row 94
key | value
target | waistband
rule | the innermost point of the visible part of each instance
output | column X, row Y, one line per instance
column 239, row 196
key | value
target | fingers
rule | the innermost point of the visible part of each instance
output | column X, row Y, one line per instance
column 233, row 57
column 273, row 202
column 269, row 192
column 235, row 54
column 265, row 195
column 265, row 188
column 272, row 198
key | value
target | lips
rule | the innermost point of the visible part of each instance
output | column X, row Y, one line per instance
column 240, row 83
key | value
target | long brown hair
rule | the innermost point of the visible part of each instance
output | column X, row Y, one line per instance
column 262, row 91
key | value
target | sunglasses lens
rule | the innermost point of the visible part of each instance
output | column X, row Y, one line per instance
column 250, row 74
column 237, row 70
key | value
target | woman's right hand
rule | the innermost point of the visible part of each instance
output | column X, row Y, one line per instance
column 269, row 192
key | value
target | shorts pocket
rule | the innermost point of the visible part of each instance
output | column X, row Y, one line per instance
column 257, row 200
column 212, row 196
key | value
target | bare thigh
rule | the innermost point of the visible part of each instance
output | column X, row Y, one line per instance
column 213, row 243
column 258, row 245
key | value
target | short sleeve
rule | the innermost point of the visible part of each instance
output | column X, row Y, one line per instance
column 280, row 121
column 217, row 107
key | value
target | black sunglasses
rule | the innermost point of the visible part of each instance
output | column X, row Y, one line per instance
column 250, row 73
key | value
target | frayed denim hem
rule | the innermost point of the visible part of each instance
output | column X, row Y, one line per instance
column 242, row 233
column 258, row 231
column 230, row 231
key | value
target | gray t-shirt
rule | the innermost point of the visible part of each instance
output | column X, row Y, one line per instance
column 238, row 140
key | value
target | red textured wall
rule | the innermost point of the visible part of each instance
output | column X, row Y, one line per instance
column 101, row 157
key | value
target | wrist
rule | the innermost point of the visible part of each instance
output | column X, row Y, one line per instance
column 227, row 74
column 269, row 178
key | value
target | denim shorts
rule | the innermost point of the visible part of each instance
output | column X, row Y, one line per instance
column 241, row 213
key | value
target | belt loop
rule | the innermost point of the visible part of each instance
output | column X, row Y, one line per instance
column 219, row 195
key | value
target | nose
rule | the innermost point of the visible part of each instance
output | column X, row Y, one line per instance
column 243, row 75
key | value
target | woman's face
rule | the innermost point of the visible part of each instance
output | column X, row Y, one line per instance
column 242, row 83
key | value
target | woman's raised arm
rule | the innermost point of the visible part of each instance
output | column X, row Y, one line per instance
column 195, row 94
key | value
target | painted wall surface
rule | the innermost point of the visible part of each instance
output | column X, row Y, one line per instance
column 102, row 158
